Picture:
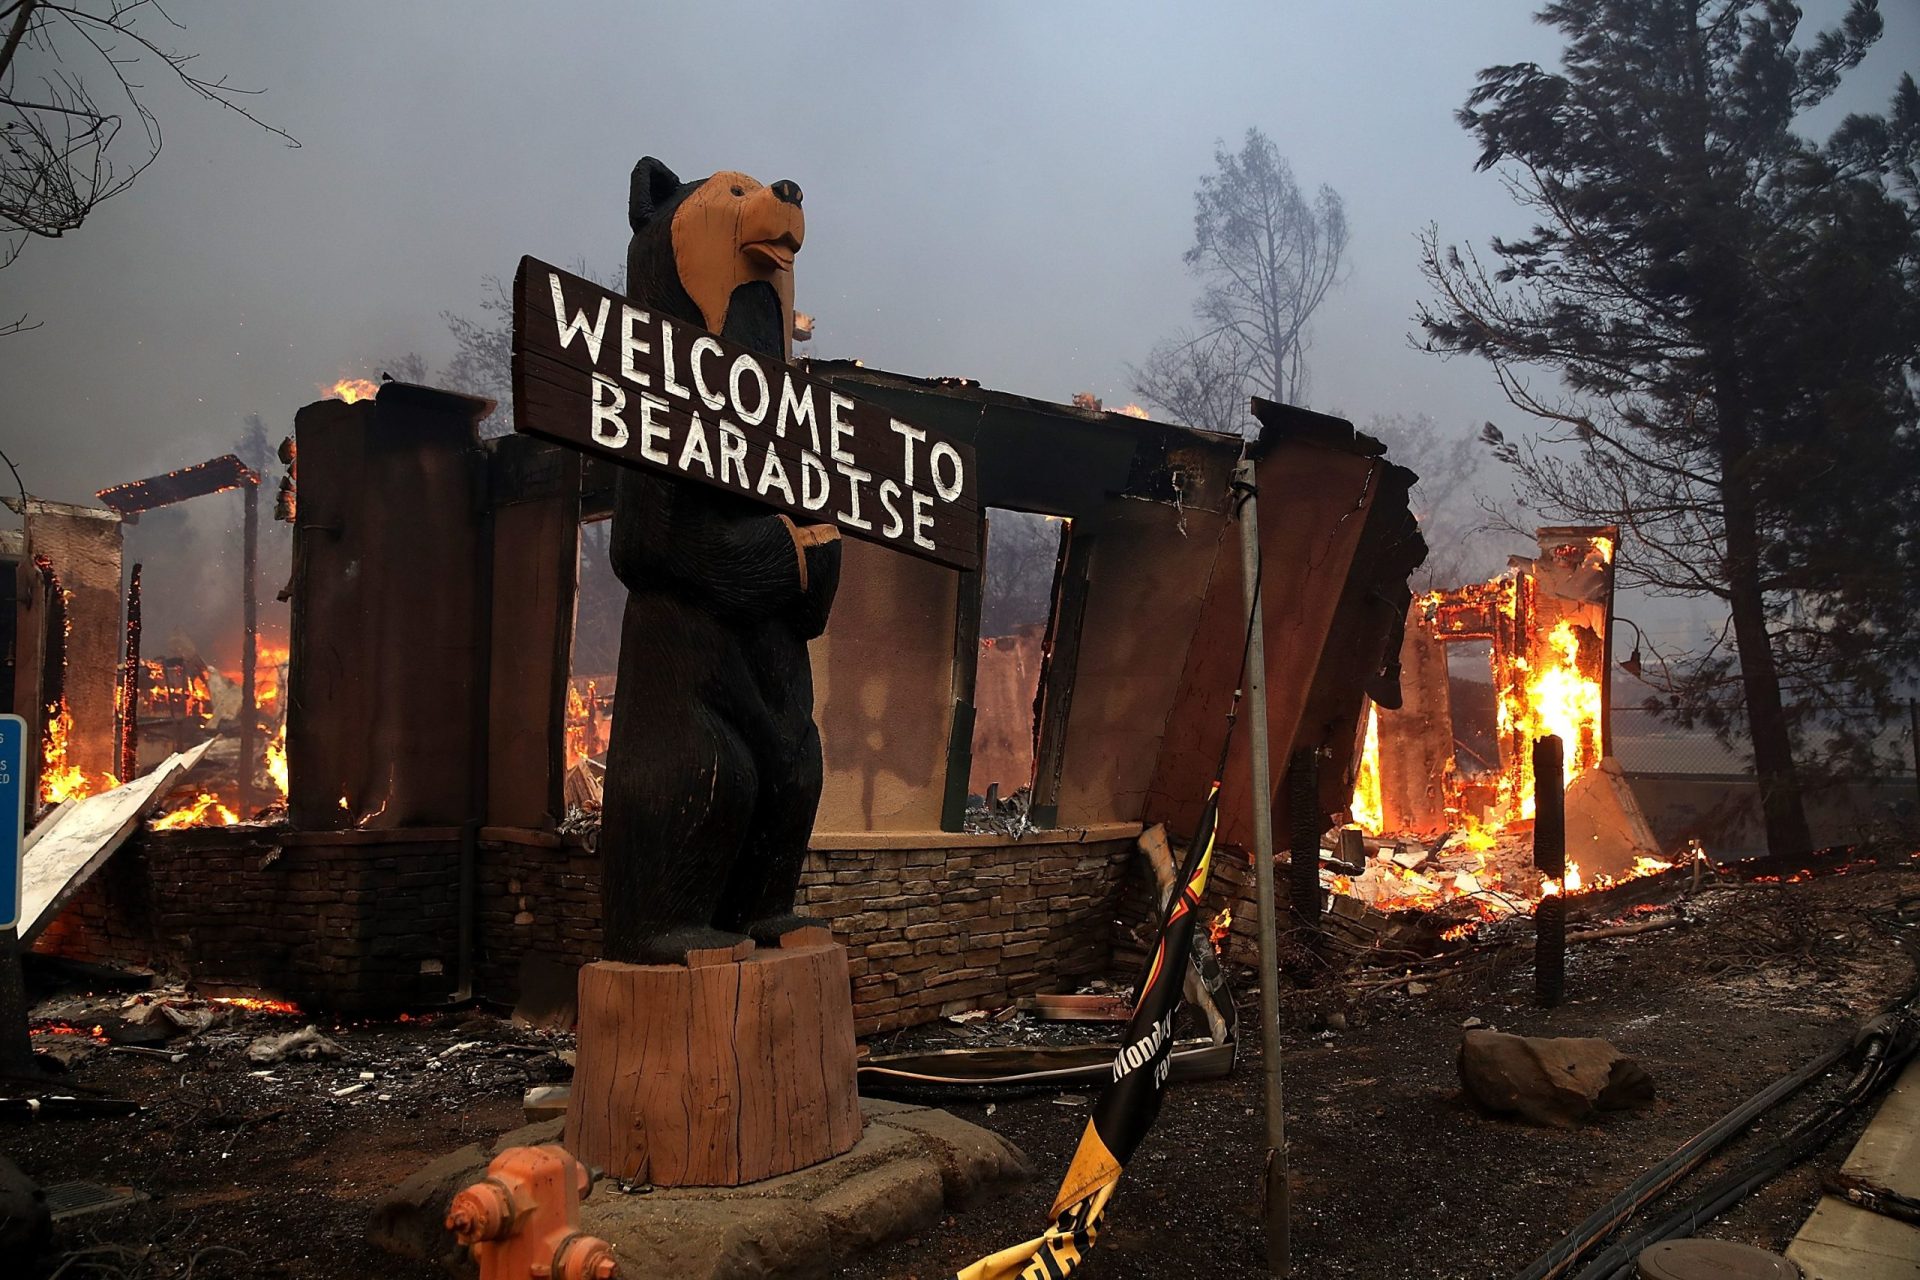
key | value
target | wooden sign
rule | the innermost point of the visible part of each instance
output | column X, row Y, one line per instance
column 595, row 371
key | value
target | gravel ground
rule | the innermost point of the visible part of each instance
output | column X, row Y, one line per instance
column 1392, row 1173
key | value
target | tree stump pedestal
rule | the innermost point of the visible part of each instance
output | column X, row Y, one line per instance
column 716, row 1074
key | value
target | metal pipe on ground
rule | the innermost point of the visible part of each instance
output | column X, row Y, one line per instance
column 1278, row 1197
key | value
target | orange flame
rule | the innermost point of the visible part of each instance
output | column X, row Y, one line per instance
column 351, row 390
column 1222, row 925
column 1368, row 807
column 60, row 779
column 255, row 1004
column 277, row 760
column 205, row 810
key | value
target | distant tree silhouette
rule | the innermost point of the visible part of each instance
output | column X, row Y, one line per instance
column 1266, row 256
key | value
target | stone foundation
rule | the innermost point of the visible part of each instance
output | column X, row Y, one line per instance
column 367, row 921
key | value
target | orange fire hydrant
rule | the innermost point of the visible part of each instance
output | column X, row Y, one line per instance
column 522, row 1221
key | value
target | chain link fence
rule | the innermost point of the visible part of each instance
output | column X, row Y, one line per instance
column 1692, row 785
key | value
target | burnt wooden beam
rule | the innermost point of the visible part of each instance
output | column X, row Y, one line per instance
column 1057, row 669
column 966, row 670
column 216, row 475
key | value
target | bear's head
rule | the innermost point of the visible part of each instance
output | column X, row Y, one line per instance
column 697, row 244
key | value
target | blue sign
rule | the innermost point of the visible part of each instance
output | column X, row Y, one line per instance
column 13, row 815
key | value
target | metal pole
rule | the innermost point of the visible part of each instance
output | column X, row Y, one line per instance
column 249, row 646
column 1260, row 794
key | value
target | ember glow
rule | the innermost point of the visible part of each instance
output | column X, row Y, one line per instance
column 352, row 390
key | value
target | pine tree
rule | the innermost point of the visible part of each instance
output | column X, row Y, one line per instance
column 1732, row 313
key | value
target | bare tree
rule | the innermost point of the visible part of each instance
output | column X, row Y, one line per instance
column 1464, row 525
column 67, row 92
column 1267, row 257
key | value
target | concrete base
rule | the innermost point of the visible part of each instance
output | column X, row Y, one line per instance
column 909, row 1165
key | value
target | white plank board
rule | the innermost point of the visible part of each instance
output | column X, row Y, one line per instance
column 77, row 840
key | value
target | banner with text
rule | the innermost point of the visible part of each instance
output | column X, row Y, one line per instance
column 593, row 370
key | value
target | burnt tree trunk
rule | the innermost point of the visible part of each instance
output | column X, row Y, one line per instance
column 1781, row 806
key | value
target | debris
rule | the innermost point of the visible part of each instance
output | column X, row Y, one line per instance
column 1550, row 1081
column 348, row 1090
column 1418, row 988
column 304, row 1045
column 141, row 1051
column 546, row 1102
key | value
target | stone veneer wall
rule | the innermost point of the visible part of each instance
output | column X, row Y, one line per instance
column 371, row 924
column 364, row 922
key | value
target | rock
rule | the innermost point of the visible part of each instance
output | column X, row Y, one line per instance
column 893, row 1201
column 26, row 1225
column 1336, row 1021
column 969, row 1158
column 1550, row 1081
column 305, row 1045
column 1417, row 988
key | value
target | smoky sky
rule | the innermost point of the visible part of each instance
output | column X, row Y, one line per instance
column 999, row 191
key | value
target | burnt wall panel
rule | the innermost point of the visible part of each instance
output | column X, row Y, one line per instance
column 388, row 637
column 883, row 692
column 536, row 565
column 1144, row 605
column 1313, row 505
column 84, row 544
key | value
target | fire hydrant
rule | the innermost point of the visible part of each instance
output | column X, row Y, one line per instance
column 522, row 1221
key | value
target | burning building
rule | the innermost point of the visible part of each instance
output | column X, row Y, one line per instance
column 432, row 845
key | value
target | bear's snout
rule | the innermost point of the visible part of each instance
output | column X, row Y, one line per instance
column 787, row 192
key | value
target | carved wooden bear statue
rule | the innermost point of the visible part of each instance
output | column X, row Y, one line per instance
column 713, row 768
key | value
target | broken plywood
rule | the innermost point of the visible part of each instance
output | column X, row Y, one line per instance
column 1844, row 1242
column 80, row 836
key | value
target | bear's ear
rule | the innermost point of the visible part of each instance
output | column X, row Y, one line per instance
column 653, row 185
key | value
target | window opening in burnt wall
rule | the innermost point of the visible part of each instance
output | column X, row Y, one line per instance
column 599, row 605
column 1018, row 589
column 1476, row 729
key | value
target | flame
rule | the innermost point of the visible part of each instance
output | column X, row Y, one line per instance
column 1221, row 926
column 1368, row 807
column 1131, row 410
column 97, row 1033
column 205, row 810
column 60, row 779
column 277, row 761
column 351, row 390
column 1465, row 929
column 256, row 1004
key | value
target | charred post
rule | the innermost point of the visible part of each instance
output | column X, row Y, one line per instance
column 1550, row 859
column 249, row 644
column 130, row 685
column 1303, row 810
